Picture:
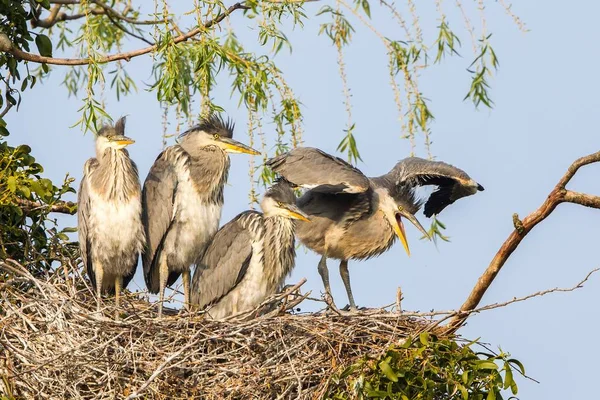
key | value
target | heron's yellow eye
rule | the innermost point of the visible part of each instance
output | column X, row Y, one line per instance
column 279, row 204
column 400, row 208
column 216, row 135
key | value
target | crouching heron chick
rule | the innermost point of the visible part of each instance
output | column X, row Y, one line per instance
column 182, row 202
column 250, row 257
column 356, row 217
column 111, row 235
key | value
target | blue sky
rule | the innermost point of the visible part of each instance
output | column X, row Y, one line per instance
column 544, row 118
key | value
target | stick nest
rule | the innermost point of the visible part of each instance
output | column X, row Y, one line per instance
column 54, row 344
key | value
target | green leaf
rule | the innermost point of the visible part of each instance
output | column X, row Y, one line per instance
column 44, row 45
column 508, row 376
column 25, row 191
column 424, row 338
column 464, row 392
column 388, row 371
column 484, row 364
column 491, row 395
column 518, row 363
column 366, row 7
column 11, row 183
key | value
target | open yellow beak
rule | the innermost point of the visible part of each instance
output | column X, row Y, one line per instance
column 399, row 229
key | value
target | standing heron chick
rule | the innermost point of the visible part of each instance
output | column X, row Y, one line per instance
column 111, row 235
column 182, row 202
column 355, row 217
column 250, row 257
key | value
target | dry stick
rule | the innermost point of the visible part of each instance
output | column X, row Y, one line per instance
column 162, row 367
column 8, row 47
column 558, row 195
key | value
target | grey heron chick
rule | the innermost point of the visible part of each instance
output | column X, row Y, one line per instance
column 182, row 201
column 109, row 223
column 356, row 217
column 249, row 257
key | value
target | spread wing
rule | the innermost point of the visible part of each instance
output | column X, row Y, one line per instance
column 314, row 169
column 226, row 259
column 157, row 214
column 83, row 218
column 452, row 183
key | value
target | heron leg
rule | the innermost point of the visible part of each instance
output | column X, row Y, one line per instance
column 186, row 289
column 118, row 288
column 99, row 275
column 163, row 275
column 324, row 272
column 346, row 278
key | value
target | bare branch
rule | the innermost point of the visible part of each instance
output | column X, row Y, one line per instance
column 558, row 195
column 63, row 207
column 8, row 47
column 536, row 294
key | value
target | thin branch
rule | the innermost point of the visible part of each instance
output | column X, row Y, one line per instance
column 579, row 285
column 122, row 17
column 8, row 47
column 107, row 9
column 63, row 207
column 121, row 27
column 558, row 195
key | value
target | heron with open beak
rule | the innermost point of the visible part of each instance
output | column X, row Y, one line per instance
column 182, row 201
column 356, row 217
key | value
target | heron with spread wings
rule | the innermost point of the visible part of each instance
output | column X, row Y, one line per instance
column 249, row 257
column 182, row 201
column 356, row 217
column 109, row 224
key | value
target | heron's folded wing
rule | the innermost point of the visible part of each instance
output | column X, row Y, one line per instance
column 158, row 198
column 83, row 218
column 314, row 169
column 226, row 259
column 453, row 183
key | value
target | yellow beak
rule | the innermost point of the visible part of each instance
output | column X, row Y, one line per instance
column 399, row 229
column 125, row 142
column 233, row 146
column 295, row 215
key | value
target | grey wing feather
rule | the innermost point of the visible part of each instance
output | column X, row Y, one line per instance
column 226, row 260
column 314, row 169
column 83, row 215
column 157, row 215
column 453, row 183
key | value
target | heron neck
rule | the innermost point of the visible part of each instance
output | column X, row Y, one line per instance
column 280, row 251
column 116, row 176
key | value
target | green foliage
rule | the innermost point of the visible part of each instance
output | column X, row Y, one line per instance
column 429, row 368
column 28, row 235
column 484, row 62
column 435, row 231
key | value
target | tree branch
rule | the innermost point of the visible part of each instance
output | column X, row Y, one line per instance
column 558, row 195
column 8, row 47
column 63, row 207
column 122, row 28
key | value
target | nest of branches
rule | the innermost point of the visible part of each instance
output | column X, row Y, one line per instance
column 54, row 344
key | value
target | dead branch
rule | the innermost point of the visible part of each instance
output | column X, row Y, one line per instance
column 557, row 196
column 8, row 47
